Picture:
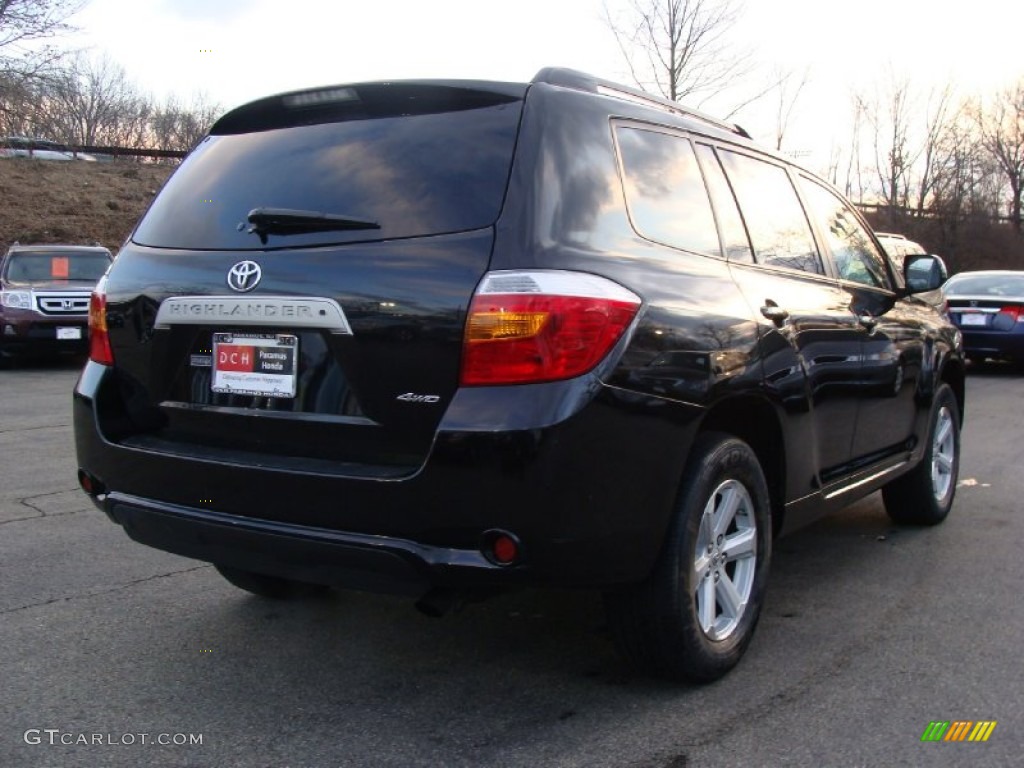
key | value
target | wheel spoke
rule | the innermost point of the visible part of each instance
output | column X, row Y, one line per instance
column 945, row 428
column 706, row 604
column 943, row 463
column 730, row 599
column 740, row 544
column 705, row 534
column 700, row 566
column 731, row 501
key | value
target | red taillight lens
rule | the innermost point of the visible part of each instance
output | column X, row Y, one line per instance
column 527, row 327
column 1016, row 313
column 99, row 339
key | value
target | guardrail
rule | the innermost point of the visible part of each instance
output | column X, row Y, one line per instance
column 28, row 147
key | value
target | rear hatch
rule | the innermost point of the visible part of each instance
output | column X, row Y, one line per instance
column 295, row 297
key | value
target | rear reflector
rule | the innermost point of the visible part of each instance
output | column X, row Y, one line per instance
column 99, row 339
column 501, row 547
column 527, row 327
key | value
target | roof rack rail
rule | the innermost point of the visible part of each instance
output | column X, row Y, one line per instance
column 581, row 81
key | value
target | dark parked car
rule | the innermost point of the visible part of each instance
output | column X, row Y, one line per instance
column 44, row 297
column 448, row 337
column 988, row 308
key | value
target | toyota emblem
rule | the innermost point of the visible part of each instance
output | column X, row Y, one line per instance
column 244, row 276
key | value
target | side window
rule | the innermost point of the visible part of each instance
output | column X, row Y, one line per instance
column 855, row 256
column 665, row 192
column 730, row 223
column 775, row 219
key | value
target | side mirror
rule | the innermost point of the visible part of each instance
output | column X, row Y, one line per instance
column 923, row 273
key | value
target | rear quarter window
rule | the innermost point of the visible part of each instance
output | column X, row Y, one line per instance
column 665, row 192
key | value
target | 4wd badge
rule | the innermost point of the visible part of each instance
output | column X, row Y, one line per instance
column 412, row 397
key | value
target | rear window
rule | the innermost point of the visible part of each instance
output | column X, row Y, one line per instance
column 46, row 267
column 986, row 285
column 430, row 172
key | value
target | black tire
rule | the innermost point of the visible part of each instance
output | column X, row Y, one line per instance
column 924, row 495
column 658, row 625
column 274, row 587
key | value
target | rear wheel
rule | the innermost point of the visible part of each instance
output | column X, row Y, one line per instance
column 274, row 587
column 924, row 495
column 695, row 615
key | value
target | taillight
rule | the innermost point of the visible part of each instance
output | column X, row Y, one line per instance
column 1015, row 313
column 99, row 339
column 527, row 327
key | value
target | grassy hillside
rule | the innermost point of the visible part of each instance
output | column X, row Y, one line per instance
column 42, row 201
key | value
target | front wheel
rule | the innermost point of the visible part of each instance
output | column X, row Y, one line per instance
column 693, row 618
column 924, row 495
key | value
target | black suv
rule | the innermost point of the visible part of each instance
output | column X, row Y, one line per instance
column 447, row 337
column 44, row 297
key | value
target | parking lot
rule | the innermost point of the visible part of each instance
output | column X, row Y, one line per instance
column 117, row 655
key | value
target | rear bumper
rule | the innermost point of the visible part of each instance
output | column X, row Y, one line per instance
column 317, row 556
column 588, row 491
column 1004, row 344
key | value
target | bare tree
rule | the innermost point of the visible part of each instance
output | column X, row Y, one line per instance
column 1002, row 135
column 788, row 89
column 679, row 47
column 91, row 101
column 23, row 21
column 888, row 112
column 181, row 127
column 940, row 115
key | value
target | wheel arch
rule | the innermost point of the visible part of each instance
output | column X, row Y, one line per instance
column 756, row 422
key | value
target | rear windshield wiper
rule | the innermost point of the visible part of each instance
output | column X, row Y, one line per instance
column 286, row 221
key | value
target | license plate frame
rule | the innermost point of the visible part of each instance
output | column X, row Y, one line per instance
column 974, row 319
column 69, row 333
column 255, row 364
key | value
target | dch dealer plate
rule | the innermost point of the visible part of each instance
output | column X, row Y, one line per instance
column 263, row 365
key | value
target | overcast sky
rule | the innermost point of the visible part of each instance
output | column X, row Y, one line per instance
column 236, row 50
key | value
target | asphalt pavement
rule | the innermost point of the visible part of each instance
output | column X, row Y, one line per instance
column 113, row 654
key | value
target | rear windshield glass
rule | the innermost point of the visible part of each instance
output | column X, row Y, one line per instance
column 46, row 267
column 986, row 285
column 413, row 175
